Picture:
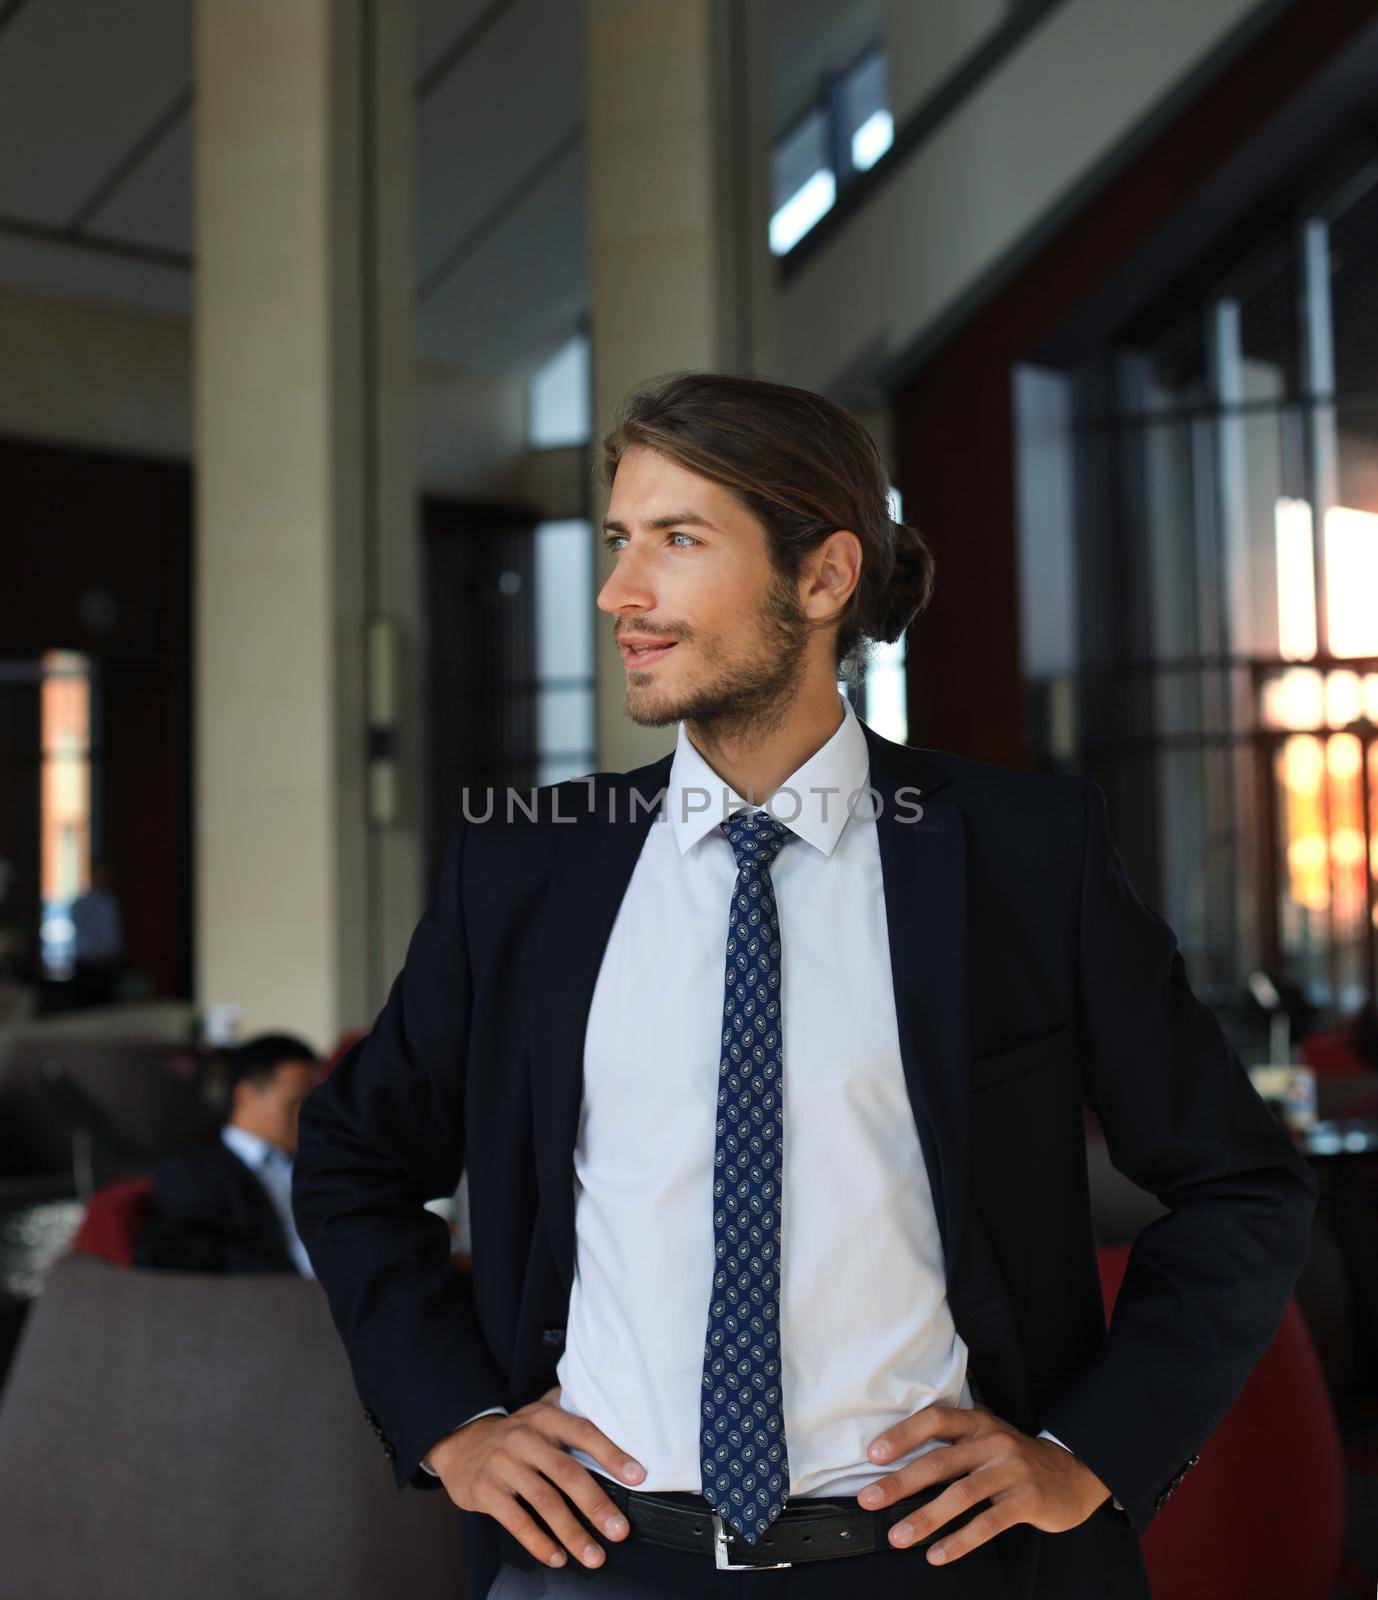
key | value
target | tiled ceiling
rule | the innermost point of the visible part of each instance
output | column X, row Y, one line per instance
column 97, row 123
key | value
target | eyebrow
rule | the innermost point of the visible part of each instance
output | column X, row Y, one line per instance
column 691, row 517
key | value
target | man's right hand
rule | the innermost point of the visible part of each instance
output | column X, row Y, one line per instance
column 486, row 1464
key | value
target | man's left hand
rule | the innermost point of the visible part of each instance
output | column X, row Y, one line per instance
column 1026, row 1479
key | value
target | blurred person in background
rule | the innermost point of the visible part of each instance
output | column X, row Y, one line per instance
column 226, row 1207
column 98, row 935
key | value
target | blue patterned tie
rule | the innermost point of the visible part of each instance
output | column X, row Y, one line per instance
column 742, row 1456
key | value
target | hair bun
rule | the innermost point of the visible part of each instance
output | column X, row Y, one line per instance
column 910, row 586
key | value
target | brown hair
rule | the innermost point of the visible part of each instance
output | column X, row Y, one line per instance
column 805, row 466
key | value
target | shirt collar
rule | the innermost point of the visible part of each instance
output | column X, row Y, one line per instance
column 254, row 1150
column 698, row 799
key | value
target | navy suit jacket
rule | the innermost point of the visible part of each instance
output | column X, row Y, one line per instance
column 1030, row 980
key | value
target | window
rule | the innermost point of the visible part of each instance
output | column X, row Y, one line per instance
column 566, row 737
column 868, row 125
column 805, row 185
column 883, row 703
column 1224, row 450
column 558, row 399
column 846, row 131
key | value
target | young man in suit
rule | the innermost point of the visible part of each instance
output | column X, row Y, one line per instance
column 227, row 1206
column 767, row 1062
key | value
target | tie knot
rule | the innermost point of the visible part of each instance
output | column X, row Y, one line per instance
column 756, row 838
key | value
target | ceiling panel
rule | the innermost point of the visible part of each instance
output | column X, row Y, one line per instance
column 440, row 23
column 80, row 84
column 494, row 120
column 153, row 205
column 520, row 294
column 62, row 270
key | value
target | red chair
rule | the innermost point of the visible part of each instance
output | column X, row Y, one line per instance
column 114, row 1215
column 1331, row 1054
column 1263, row 1512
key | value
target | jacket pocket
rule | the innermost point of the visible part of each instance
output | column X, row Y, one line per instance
column 1027, row 1056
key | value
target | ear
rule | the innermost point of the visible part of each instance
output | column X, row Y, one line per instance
column 838, row 562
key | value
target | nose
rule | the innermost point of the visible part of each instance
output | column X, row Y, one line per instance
column 627, row 587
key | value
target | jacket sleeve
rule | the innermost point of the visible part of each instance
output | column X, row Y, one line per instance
column 377, row 1139
column 1206, row 1285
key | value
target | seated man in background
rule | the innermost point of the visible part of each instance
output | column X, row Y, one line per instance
column 226, row 1207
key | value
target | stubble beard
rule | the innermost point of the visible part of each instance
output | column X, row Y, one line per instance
column 753, row 688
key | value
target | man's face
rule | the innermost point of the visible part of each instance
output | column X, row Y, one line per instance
column 735, row 631
column 271, row 1112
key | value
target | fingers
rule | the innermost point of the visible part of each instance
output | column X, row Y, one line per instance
column 582, row 1486
column 541, row 1494
column 978, row 1531
column 570, row 1429
column 932, row 1422
column 527, row 1461
column 933, row 1466
column 527, row 1531
column 960, row 1498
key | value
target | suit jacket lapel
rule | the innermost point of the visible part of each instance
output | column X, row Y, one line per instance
column 594, row 858
column 923, row 868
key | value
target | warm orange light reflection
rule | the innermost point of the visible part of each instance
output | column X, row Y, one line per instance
column 1294, row 699
column 1301, row 698
column 1301, row 766
column 1313, row 773
column 1344, row 698
column 1373, row 826
column 65, row 713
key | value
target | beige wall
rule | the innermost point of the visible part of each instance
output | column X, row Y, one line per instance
column 925, row 42
column 80, row 373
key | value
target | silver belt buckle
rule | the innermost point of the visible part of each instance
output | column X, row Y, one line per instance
column 722, row 1559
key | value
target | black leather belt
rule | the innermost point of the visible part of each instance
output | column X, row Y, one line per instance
column 809, row 1529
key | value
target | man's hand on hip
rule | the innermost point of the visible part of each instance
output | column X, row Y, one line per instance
column 491, row 1461
column 1026, row 1479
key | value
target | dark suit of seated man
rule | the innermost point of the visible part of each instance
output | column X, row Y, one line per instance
column 226, row 1207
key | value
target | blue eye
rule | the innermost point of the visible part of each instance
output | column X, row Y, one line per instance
column 611, row 543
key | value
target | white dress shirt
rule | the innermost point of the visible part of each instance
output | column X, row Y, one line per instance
column 273, row 1169
column 866, row 1333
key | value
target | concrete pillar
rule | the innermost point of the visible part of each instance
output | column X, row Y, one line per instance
column 304, row 376
column 677, row 113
